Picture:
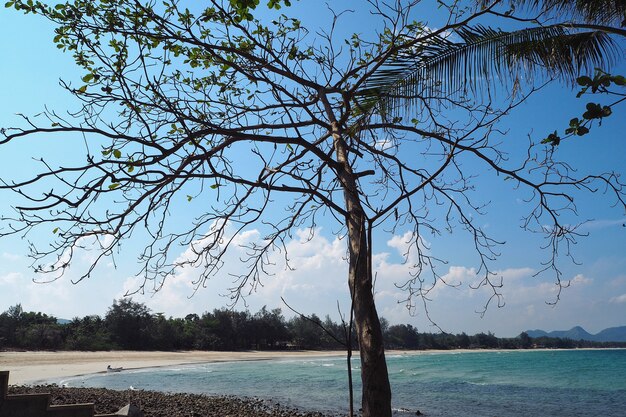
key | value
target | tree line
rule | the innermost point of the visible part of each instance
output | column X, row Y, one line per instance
column 131, row 325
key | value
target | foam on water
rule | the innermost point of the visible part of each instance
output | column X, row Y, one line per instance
column 505, row 384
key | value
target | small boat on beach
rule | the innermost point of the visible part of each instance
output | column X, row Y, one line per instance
column 109, row 369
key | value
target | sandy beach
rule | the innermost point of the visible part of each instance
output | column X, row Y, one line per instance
column 33, row 367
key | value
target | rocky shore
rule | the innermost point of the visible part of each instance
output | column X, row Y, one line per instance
column 158, row 404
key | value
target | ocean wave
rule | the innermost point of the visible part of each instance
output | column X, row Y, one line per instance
column 402, row 410
column 555, row 384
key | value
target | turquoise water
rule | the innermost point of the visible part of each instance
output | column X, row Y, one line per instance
column 499, row 384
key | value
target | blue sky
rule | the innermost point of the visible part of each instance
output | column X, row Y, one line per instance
column 29, row 75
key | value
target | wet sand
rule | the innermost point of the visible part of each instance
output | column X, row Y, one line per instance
column 34, row 367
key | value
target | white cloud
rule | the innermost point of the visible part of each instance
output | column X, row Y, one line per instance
column 78, row 258
column 90, row 247
column 619, row 299
column 11, row 257
column 11, row 278
column 580, row 279
column 459, row 275
column 316, row 282
column 402, row 243
column 511, row 275
column 384, row 144
column 603, row 224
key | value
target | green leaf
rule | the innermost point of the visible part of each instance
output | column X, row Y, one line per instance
column 214, row 186
column 290, row 148
column 596, row 111
column 189, row 198
column 88, row 77
column 293, row 53
column 584, row 81
column 606, row 81
column 83, row 89
column 619, row 80
column 114, row 185
column 9, row 4
column 117, row 153
column 582, row 131
column 55, row 230
column 553, row 139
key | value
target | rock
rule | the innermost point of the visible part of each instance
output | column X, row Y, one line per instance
column 159, row 404
column 130, row 410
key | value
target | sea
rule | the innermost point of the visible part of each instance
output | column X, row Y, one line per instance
column 552, row 383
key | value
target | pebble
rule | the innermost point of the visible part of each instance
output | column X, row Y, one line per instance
column 159, row 404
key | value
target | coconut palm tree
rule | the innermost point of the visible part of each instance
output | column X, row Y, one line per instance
column 483, row 57
column 580, row 42
column 604, row 15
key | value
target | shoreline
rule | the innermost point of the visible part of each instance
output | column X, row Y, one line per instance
column 33, row 367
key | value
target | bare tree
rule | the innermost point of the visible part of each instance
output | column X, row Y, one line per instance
column 269, row 126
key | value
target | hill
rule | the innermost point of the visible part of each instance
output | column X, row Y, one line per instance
column 612, row 334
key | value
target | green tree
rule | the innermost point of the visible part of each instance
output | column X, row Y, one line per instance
column 88, row 333
column 231, row 329
column 269, row 328
column 265, row 127
column 485, row 341
column 206, row 338
column 525, row 341
column 129, row 324
column 164, row 334
column 21, row 329
column 10, row 320
column 307, row 332
column 463, row 341
column 402, row 336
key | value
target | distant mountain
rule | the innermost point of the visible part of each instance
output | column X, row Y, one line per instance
column 613, row 334
column 63, row 321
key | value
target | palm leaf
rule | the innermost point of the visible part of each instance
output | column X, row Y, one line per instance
column 484, row 57
column 564, row 56
column 601, row 12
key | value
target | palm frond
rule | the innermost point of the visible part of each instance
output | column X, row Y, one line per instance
column 601, row 12
column 484, row 57
column 563, row 56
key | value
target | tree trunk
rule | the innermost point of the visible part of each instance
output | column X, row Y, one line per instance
column 376, row 399
column 376, row 395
